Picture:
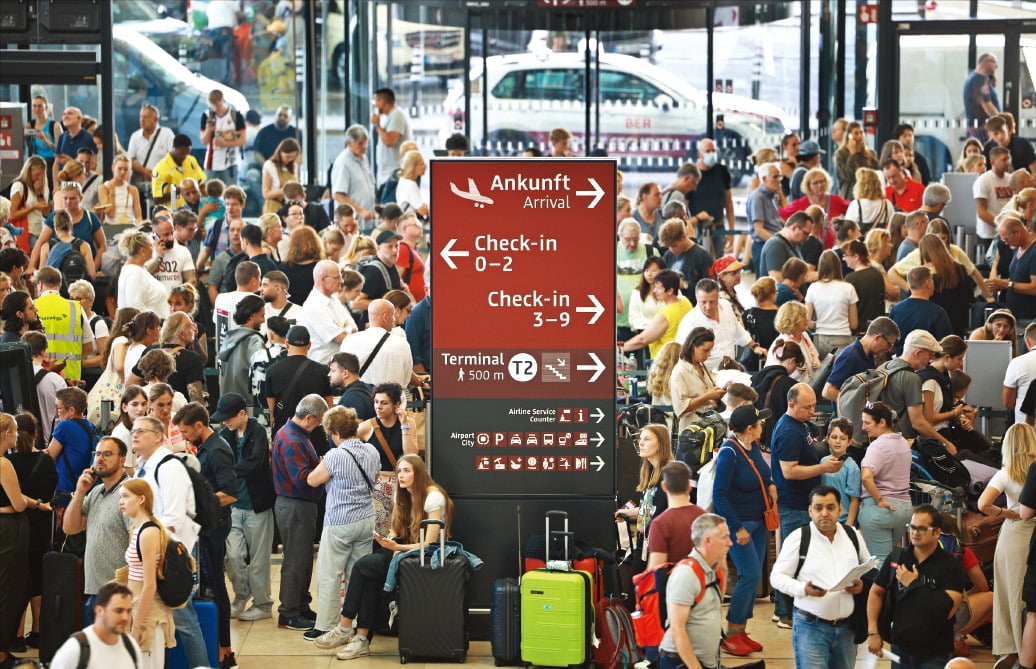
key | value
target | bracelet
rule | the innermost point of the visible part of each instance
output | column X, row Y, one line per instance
column 870, row 634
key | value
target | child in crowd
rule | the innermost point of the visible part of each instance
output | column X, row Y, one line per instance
column 846, row 480
column 211, row 207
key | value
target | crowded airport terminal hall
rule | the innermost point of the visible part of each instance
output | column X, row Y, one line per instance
column 730, row 364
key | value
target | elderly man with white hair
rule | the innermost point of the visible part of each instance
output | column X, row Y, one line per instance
column 327, row 319
column 630, row 253
column 352, row 181
column 383, row 358
column 761, row 209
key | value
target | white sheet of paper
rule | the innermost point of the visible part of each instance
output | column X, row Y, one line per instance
column 854, row 574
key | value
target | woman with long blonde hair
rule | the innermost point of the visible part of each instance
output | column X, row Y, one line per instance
column 656, row 451
column 153, row 626
column 953, row 287
column 869, row 208
column 1009, row 561
column 418, row 498
column 661, row 370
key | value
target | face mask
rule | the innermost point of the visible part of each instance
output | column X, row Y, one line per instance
column 709, row 159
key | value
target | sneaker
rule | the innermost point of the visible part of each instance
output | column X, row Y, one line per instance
column 312, row 634
column 775, row 618
column 334, row 638
column 237, row 606
column 752, row 643
column 1006, row 661
column 294, row 623
column 308, row 614
column 736, row 644
column 784, row 623
column 358, row 646
column 254, row 613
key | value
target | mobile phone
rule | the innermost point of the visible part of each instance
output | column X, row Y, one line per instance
column 842, row 457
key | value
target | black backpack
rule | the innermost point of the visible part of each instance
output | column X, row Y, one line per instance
column 73, row 266
column 699, row 441
column 175, row 571
column 943, row 467
column 206, row 506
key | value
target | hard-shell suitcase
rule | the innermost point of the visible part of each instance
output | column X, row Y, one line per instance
column 208, row 619
column 505, row 622
column 61, row 603
column 432, row 605
column 557, row 612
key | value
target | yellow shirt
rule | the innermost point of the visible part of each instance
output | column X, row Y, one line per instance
column 673, row 313
column 167, row 173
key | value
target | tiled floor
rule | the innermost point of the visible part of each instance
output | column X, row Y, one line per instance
column 260, row 645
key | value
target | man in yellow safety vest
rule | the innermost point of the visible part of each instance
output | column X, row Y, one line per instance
column 69, row 336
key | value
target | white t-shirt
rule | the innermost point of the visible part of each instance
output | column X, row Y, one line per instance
column 140, row 290
column 387, row 157
column 728, row 330
column 874, row 212
column 1020, row 372
column 394, row 362
column 408, row 194
column 434, row 501
column 122, row 432
column 1012, row 489
column 831, row 300
column 102, row 655
column 223, row 314
column 932, row 386
column 293, row 314
column 173, row 264
column 996, row 191
column 133, row 355
column 138, row 146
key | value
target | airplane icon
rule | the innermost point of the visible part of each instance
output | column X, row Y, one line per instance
column 472, row 194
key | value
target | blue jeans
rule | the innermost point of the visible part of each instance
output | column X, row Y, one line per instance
column 915, row 662
column 882, row 529
column 714, row 237
column 791, row 520
column 186, row 621
column 757, row 255
column 748, row 560
column 818, row 644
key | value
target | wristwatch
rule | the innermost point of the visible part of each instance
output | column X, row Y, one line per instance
column 1010, row 285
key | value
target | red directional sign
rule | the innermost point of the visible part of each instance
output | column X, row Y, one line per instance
column 523, row 324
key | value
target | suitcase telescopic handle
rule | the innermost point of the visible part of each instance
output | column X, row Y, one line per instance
column 442, row 539
column 547, row 533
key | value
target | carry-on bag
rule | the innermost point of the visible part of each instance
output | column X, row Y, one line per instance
column 208, row 620
column 432, row 604
column 61, row 601
column 557, row 612
column 505, row 622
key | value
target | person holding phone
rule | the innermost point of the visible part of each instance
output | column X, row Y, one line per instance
column 418, row 498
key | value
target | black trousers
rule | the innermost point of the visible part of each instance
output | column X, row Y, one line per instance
column 212, row 549
column 14, row 575
column 363, row 594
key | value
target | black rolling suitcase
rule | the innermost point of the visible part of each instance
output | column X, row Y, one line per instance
column 432, row 605
column 61, row 605
column 505, row 622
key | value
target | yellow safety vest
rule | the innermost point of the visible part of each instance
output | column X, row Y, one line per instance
column 63, row 323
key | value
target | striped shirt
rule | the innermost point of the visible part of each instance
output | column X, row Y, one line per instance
column 133, row 561
column 348, row 495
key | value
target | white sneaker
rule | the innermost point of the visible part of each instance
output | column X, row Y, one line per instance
column 358, row 646
column 238, row 606
column 334, row 638
column 255, row 613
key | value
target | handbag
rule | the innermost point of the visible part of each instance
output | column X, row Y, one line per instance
column 107, row 389
column 770, row 516
column 384, row 491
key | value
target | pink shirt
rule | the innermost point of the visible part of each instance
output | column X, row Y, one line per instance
column 888, row 457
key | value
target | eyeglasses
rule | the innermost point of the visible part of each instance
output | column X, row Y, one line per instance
column 104, row 454
column 920, row 529
column 143, row 429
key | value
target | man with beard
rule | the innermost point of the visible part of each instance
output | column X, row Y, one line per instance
column 104, row 644
column 269, row 136
column 19, row 315
column 379, row 273
column 172, row 263
column 274, row 291
column 345, row 376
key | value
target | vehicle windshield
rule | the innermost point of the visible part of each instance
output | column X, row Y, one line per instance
column 151, row 59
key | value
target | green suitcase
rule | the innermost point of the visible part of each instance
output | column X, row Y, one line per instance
column 556, row 611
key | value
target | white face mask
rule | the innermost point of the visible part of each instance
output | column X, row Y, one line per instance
column 710, row 159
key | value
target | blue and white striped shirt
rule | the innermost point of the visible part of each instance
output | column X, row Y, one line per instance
column 348, row 495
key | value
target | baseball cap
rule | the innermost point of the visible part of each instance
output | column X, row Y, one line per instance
column 746, row 415
column 297, row 335
column 810, row 148
column 386, row 236
column 725, row 264
column 229, row 405
column 923, row 340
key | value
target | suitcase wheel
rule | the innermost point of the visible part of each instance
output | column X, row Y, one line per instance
column 403, row 659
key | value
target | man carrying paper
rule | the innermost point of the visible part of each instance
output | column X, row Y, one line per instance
column 822, row 630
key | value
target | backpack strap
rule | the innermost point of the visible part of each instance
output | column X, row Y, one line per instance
column 84, row 650
column 143, row 527
column 129, row 648
column 700, row 573
column 807, row 532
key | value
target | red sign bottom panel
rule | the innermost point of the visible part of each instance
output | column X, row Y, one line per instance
column 558, row 446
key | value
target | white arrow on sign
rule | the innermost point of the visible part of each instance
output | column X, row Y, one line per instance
column 596, row 310
column 598, row 440
column 596, row 368
column 597, row 414
column 448, row 253
column 598, row 462
column 597, row 193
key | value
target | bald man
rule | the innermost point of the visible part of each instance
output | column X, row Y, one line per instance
column 327, row 319
column 383, row 357
column 960, row 663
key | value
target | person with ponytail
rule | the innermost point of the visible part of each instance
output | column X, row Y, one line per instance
column 143, row 332
column 153, row 626
column 418, row 498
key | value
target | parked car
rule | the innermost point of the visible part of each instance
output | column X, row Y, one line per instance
column 153, row 21
column 645, row 111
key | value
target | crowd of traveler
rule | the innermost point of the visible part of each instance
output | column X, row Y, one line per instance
column 274, row 359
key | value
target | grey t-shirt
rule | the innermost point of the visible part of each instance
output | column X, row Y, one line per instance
column 776, row 251
column 388, row 157
column 107, row 532
column 903, row 390
column 705, row 622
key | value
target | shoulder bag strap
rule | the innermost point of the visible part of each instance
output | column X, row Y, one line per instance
column 374, row 353
column 298, row 373
column 386, row 449
column 150, row 147
column 762, row 486
column 284, row 310
column 362, row 473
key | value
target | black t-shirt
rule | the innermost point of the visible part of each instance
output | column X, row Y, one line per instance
column 760, row 323
column 1029, row 402
column 870, row 288
column 711, row 194
column 1028, row 498
column 692, row 265
column 357, row 396
column 944, row 572
column 189, row 368
column 394, row 439
column 374, row 273
column 300, row 280
column 810, row 250
column 287, row 394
